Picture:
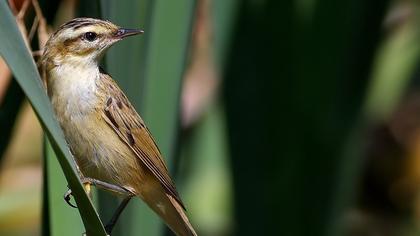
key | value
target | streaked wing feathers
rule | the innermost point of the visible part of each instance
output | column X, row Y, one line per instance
column 124, row 120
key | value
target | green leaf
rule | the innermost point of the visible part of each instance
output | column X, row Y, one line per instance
column 293, row 94
column 63, row 219
column 19, row 60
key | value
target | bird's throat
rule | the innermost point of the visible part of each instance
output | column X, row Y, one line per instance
column 75, row 84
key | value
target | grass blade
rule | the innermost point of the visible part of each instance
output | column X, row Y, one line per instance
column 19, row 60
column 64, row 220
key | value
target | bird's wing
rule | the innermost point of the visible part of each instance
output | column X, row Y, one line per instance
column 124, row 120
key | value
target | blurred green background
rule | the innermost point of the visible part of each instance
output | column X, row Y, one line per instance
column 291, row 117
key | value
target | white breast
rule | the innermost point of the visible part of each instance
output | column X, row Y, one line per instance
column 74, row 89
column 73, row 96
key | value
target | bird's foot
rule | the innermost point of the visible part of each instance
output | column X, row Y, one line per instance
column 87, row 182
column 67, row 198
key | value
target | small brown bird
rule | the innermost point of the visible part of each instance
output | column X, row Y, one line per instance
column 112, row 146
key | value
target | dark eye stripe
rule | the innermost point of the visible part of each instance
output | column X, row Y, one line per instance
column 69, row 42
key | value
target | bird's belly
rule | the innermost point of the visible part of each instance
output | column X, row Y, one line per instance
column 100, row 153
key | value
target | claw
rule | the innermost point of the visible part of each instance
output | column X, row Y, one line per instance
column 67, row 198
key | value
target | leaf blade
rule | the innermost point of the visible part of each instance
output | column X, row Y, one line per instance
column 17, row 56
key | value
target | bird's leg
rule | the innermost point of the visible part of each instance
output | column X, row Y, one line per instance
column 87, row 182
column 117, row 214
column 106, row 186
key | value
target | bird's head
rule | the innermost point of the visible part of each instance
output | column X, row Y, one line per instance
column 84, row 40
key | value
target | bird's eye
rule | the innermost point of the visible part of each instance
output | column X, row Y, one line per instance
column 90, row 36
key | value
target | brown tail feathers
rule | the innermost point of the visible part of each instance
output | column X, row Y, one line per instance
column 168, row 209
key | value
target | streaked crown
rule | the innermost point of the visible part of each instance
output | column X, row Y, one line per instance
column 83, row 39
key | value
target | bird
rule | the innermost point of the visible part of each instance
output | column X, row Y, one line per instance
column 112, row 147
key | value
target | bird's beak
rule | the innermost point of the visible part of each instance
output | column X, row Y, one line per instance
column 122, row 33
